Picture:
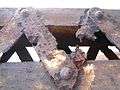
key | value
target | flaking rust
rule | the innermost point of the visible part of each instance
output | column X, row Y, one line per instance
column 95, row 20
column 9, row 34
column 30, row 22
column 46, row 47
column 62, row 69
column 78, row 57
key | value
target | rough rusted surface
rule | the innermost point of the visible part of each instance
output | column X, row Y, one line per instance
column 30, row 22
column 60, row 21
column 99, row 75
column 9, row 34
column 25, row 76
column 92, row 24
column 96, row 75
column 5, row 15
column 57, row 16
column 56, row 61
column 58, row 64
column 46, row 45
column 78, row 57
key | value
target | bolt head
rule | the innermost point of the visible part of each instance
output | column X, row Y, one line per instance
column 99, row 14
column 65, row 73
column 25, row 13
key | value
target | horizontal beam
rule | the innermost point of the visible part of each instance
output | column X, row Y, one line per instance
column 25, row 76
column 97, row 75
column 56, row 16
column 61, row 22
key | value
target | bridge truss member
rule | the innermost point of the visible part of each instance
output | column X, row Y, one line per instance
column 101, row 29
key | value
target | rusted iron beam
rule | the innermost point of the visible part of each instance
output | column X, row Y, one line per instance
column 96, row 75
column 60, row 20
column 20, row 48
column 102, row 29
column 59, row 65
column 99, row 75
column 96, row 20
column 25, row 76
column 56, row 16
column 30, row 22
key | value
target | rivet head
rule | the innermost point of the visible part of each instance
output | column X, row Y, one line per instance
column 65, row 73
column 99, row 14
column 25, row 13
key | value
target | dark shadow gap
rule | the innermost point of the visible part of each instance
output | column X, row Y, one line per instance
column 20, row 48
column 101, row 43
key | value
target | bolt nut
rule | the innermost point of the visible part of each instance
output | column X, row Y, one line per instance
column 65, row 73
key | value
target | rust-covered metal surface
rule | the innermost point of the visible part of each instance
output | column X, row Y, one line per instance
column 57, row 16
column 62, row 68
column 96, row 75
column 25, row 76
column 99, row 75
column 60, row 21
column 95, row 20
column 30, row 22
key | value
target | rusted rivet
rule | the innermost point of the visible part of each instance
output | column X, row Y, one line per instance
column 25, row 13
column 99, row 14
column 65, row 73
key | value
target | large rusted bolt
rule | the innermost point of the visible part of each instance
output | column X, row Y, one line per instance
column 99, row 14
column 25, row 13
column 65, row 73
